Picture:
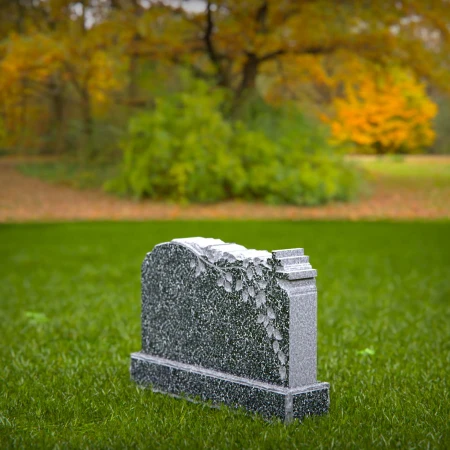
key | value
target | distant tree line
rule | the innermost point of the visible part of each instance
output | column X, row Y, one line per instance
column 73, row 73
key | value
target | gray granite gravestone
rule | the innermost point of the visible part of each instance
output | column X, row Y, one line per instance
column 231, row 325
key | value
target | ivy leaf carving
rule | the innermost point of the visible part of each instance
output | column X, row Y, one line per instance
column 199, row 269
column 271, row 313
column 277, row 334
column 231, row 258
column 276, row 346
column 261, row 299
column 262, row 283
column 209, row 254
column 252, row 269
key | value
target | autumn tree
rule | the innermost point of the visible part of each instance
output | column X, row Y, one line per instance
column 28, row 65
column 236, row 41
column 380, row 109
column 58, row 58
column 385, row 112
column 92, row 73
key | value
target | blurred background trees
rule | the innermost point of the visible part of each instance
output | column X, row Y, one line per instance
column 87, row 79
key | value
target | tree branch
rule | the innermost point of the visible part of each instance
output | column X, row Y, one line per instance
column 261, row 16
column 216, row 58
column 72, row 75
column 207, row 37
column 272, row 55
column 314, row 50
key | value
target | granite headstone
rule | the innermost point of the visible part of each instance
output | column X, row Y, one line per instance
column 229, row 325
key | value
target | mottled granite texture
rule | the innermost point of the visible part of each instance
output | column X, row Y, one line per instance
column 231, row 325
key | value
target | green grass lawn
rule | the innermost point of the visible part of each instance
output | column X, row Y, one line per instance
column 419, row 170
column 70, row 317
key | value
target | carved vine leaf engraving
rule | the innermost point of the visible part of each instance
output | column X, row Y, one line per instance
column 250, row 282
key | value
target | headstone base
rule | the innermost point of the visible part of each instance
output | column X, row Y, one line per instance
column 194, row 382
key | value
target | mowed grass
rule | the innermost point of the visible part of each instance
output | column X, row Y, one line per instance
column 70, row 317
column 433, row 170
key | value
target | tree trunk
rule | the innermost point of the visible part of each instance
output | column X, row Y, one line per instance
column 58, row 114
column 86, row 150
column 248, row 82
column 132, row 79
column 22, row 141
column 133, row 67
column 20, row 17
column 249, row 72
column 60, row 123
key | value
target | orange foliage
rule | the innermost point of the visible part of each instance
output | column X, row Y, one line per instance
column 384, row 113
column 380, row 109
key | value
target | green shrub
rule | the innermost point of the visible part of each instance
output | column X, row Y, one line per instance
column 185, row 150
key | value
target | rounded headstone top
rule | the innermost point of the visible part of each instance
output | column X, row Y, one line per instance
column 216, row 249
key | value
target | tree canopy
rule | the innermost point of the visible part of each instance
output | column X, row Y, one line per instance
column 64, row 60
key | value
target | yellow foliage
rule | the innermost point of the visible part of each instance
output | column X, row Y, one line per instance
column 384, row 112
column 27, row 62
column 30, row 67
column 291, row 73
